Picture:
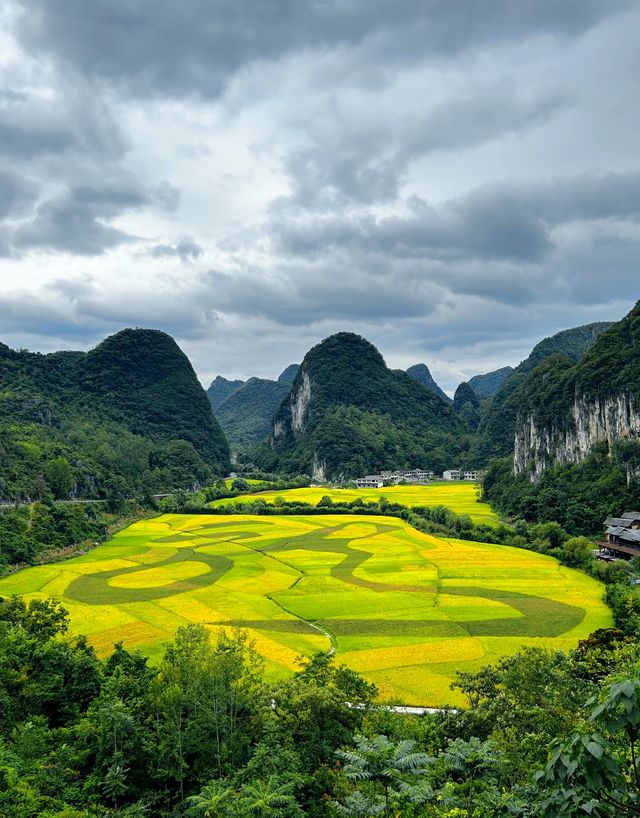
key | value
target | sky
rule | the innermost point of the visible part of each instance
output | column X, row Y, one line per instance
column 452, row 180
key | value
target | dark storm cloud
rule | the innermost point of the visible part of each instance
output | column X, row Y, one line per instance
column 71, row 122
column 62, row 149
column 83, row 310
column 193, row 47
column 307, row 295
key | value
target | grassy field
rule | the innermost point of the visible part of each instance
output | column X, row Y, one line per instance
column 229, row 481
column 462, row 498
column 405, row 609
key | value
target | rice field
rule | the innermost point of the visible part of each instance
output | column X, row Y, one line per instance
column 405, row 609
column 462, row 498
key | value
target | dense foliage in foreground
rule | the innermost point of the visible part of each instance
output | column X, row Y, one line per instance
column 201, row 734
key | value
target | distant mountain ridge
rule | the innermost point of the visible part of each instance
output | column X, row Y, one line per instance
column 422, row 374
column 466, row 405
column 220, row 389
column 486, row 386
column 244, row 409
column 347, row 414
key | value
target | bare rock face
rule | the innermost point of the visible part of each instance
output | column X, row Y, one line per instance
column 319, row 470
column 565, row 408
column 612, row 419
column 300, row 400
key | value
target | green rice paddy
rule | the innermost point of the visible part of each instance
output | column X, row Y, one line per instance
column 405, row 609
column 462, row 498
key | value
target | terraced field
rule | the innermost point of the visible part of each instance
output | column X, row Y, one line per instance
column 462, row 498
column 405, row 609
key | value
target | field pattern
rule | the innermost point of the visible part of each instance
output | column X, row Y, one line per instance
column 405, row 609
column 459, row 497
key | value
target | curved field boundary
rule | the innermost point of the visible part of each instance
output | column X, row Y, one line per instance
column 405, row 609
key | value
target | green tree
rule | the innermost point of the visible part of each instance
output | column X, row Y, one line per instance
column 59, row 475
column 596, row 772
column 213, row 800
column 270, row 798
column 389, row 775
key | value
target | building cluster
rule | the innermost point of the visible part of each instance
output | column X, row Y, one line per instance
column 621, row 537
column 460, row 474
column 393, row 478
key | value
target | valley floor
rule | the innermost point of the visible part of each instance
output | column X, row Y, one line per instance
column 406, row 609
column 461, row 498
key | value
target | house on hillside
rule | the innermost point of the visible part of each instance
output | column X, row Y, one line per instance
column 621, row 537
column 371, row 481
column 452, row 474
column 472, row 474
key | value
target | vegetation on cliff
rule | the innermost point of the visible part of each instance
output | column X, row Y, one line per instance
column 349, row 414
column 498, row 423
column 126, row 418
column 466, row 405
column 421, row 373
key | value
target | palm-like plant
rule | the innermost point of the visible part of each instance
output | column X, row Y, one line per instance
column 213, row 801
column 269, row 798
column 396, row 767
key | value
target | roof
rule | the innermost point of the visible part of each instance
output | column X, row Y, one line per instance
column 631, row 515
column 616, row 521
column 628, row 534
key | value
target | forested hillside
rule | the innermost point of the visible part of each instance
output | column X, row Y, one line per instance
column 128, row 417
column 466, row 405
column 348, row 414
column 577, row 436
column 220, row 389
column 245, row 409
column 245, row 416
column 485, row 386
column 498, row 424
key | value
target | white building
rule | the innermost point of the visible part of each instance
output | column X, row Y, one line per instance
column 472, row 474
column 452, row 474
column 371, row 481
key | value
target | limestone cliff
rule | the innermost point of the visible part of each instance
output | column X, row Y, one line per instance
column 538, row 446
column 567, row 408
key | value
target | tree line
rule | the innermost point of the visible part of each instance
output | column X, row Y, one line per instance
column 205, row 734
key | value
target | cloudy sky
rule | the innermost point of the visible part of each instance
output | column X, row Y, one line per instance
column 453, row 180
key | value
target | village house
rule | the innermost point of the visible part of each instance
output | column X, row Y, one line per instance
column 371, row 481
column 392, row 478
column 459, row 474
column 621, row 537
